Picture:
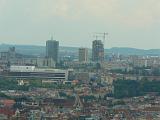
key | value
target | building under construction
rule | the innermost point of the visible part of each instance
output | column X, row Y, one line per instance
column 97, row 51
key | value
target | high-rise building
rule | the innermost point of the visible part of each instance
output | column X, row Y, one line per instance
column 83, row 54
column 97, row 51
column 52, row 49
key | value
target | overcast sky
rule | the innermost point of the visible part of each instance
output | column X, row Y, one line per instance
column 130, row 23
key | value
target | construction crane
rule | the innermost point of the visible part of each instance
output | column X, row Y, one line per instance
column 102, row 35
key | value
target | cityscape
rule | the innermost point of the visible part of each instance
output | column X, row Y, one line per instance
column 79, row 60
column 82, row 85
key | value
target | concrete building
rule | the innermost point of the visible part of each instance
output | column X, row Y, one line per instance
column 97, row 51
column 4, row 56
column 11, row 57
column 8, row 55
column 31, row 72
column 83, row 54
column 52, row 49
column 40, row 62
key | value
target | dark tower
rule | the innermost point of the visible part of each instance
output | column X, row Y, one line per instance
column 97, row 51
column 52, row 49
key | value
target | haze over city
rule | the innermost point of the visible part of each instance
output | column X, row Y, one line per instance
column 129, row 23
column 79, row 60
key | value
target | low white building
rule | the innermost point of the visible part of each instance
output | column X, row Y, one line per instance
column 33, row 72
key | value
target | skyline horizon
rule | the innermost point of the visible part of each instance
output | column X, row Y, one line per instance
column 76, row 46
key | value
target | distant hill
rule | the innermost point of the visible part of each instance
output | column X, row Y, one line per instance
column 40, row 50
column 25, row 49
column 133, row 51
column 34, row 50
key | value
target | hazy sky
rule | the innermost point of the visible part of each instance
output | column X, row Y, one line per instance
column 130, row 23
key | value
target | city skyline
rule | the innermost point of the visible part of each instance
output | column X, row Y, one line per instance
column 132, row 24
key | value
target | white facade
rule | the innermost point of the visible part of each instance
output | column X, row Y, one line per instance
column 33, row 72
column 22, row 68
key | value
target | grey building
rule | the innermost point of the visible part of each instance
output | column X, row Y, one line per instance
column 8, row 55
column 97, row 51
column 31, row 72
column 83, row 54
column 52, row 49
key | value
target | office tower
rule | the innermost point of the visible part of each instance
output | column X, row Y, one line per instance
column 83, row 54
column 12, row 52
column 97, row 51
column 52, row 49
